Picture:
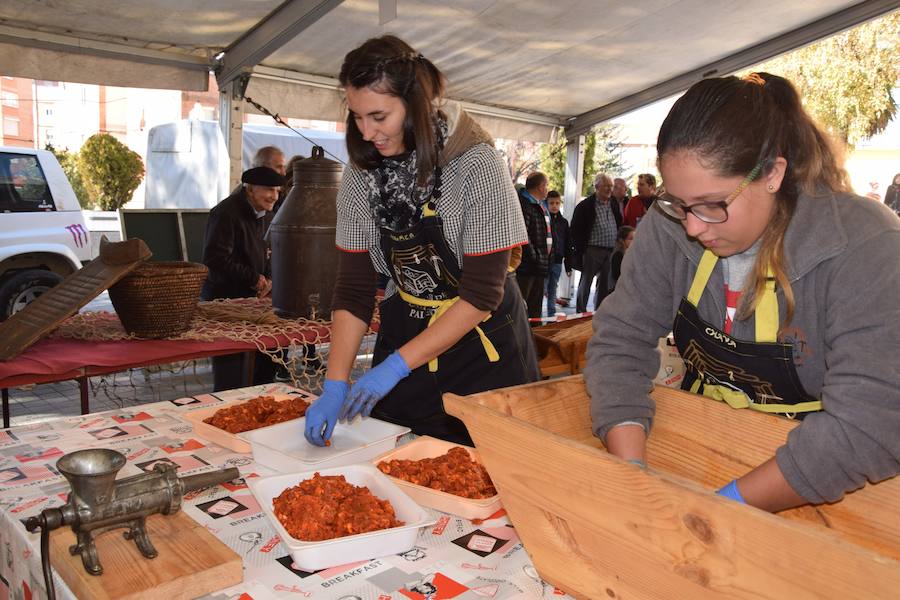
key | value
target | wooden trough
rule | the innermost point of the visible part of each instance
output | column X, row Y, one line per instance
column 598, row 527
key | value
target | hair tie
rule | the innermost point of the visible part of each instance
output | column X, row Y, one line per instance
column 754, row 78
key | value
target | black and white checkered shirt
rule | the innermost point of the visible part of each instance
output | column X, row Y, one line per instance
column 478, row 205
column 605, row 231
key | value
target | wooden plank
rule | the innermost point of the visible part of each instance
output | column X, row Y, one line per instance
column 191, row 563
column 55, row 305
column 600, row 528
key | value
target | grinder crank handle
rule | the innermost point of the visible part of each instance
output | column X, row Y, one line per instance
column 48, row 520
column 202, row 480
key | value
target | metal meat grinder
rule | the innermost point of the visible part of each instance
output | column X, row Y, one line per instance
column 98, row 503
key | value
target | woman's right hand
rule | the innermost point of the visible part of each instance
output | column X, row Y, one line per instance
column 322, row 416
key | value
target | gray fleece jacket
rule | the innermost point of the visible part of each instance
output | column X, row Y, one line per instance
column 843, row 260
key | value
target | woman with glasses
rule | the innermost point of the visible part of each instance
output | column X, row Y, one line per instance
column 782, row 289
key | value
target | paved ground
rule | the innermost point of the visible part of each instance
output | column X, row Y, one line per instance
column 35, row 403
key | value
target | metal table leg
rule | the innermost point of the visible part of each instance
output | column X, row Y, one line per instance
column 5, row 393
column 85, row 395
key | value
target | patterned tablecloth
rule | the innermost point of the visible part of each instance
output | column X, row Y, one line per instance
column 456, row 558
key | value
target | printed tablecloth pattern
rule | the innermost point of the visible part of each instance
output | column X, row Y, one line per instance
column 456, row 558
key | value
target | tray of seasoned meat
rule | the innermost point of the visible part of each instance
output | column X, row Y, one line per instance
column 442, row 475
column 221, row 424
column 285, row 449
column 340, row 515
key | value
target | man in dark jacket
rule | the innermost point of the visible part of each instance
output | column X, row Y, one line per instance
column 532, row 272
column 238, row 258
column 595, row 224
column 561, row 250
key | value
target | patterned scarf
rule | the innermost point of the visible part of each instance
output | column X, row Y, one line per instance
column 394, row 197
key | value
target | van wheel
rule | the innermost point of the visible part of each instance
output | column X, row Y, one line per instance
column 22, row 287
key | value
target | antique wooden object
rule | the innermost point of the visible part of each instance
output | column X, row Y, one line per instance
column 598, row 527
column 191, row 563
column 561, row 346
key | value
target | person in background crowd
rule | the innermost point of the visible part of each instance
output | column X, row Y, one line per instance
column 873, row 191
column 289, row 174
column 780, row 286
column 620, row 194
column 623, row 242
column 595, row 223
column 638, row 206
column 427, row 201
column 892, row 195
column 532, row 271
column 272, row 157
column 239, row 263
column 561, row 252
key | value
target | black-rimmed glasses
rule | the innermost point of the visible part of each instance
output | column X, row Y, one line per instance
column 708, row 212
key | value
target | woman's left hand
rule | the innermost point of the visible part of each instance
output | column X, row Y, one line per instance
column 373, row 386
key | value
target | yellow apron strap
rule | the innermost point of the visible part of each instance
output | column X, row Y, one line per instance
column 810, row 406
column 767, row 312
column 731, row 397
column 701, row 277
column 441, row 307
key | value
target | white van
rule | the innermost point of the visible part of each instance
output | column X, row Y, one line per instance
column 43, row 236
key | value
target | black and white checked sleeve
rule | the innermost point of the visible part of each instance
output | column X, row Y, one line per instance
column 493, row 218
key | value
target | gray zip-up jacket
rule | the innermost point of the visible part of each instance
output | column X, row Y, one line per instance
column 843, row 260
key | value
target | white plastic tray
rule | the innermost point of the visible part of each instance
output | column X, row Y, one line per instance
column 284, row 448
column 312, row 556
column 429, row 447
column 230, row 440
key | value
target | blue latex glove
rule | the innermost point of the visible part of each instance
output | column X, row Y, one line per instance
column 731, row 491
column 374, row 385
column 322, row 416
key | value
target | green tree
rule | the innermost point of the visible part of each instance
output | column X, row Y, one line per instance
column 69, row 163
column 846, row 80
column 110, row 171
column 602, row 153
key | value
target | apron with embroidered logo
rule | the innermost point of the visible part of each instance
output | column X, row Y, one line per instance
column 498, row 353
column 758, row 375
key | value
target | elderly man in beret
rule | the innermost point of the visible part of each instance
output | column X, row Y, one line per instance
column 239, row 264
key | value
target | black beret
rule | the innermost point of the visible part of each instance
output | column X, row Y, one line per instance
column 263, row 176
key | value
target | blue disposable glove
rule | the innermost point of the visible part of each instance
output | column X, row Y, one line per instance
column 374, row 385
column 731, row 491
column 322, row 416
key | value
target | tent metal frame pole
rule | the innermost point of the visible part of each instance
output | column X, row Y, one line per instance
column 231, row 121
column 274, row 31
column 85, row 46
column 812, row 32
column 574, row 181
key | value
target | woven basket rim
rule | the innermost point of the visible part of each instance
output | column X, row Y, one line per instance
column 170, row 266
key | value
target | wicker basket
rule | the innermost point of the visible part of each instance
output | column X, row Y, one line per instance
column 158, row 299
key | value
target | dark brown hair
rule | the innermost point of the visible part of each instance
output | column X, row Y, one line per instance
column 389, row 65
column 734, row 123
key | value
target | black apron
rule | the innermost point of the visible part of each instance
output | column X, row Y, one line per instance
column 427, row 275
column 758, row 375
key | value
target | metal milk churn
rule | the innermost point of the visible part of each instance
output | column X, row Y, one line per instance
column 304, row 255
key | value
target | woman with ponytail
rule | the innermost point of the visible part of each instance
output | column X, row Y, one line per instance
column 428, row 203
column 780, row 286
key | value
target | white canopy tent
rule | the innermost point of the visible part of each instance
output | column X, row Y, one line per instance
column 522, row 67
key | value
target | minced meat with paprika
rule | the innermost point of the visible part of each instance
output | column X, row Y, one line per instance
column 327, row 507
